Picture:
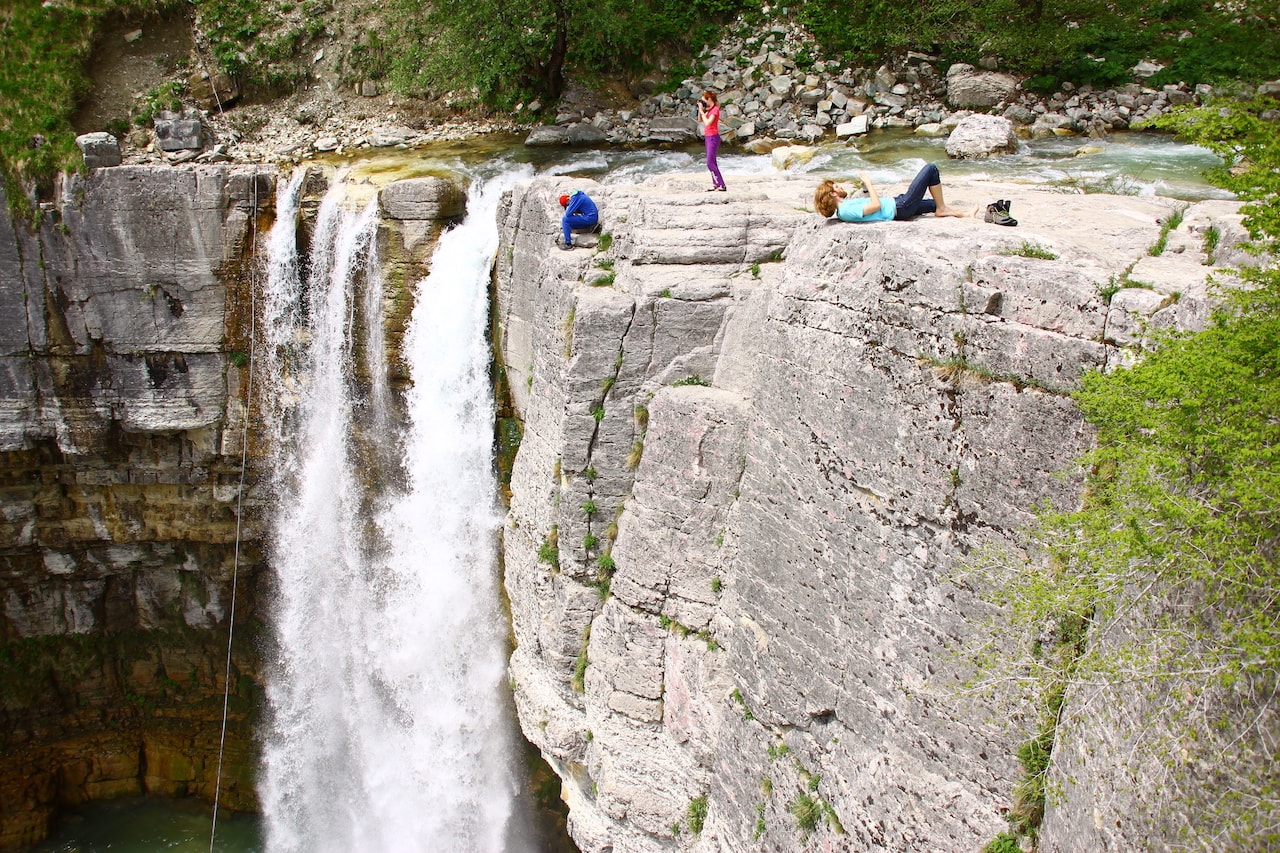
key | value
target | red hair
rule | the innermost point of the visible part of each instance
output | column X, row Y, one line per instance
column 712, row 96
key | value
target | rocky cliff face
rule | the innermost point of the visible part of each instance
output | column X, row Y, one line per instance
column 757, row 448
column 125, row 479
column 121, row 424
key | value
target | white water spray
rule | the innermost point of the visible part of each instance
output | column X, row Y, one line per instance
column 389, row 729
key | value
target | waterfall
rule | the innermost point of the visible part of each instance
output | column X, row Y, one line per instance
column 388, row 725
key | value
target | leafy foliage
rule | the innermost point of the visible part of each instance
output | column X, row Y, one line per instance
column 42, row 53
column 1084, row 41
column 44, row 48
column 499, row 52
column 1249, row 145
column 1173, row 562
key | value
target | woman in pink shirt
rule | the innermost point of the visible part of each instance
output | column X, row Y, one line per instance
column 709, row 115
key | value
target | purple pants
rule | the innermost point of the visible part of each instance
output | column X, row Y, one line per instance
column 713, row 146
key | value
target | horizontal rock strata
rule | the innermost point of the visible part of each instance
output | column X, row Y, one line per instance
column 757, row 446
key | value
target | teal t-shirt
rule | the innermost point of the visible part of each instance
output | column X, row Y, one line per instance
column 850, row 210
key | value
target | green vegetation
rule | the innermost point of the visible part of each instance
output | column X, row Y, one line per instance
column 579, row 681
column 44, row 49
column 695, row 379
column 1173, row 557
column 1031, row 250
column 42, row 56
column 806, row 811
column 605, row 569
column 549, row 550
column 1170, row 224
column 1083, row 41
column 505, row 51
column 637, row 448
column 696, row 814
column 1211, row 238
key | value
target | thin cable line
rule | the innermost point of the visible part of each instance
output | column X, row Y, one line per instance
column 244, row 450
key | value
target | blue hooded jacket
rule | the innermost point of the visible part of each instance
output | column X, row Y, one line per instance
column 581, row 213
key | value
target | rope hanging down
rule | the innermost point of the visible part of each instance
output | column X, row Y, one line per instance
column 244, row 449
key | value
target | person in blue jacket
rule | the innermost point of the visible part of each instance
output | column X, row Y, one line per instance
column 831, row 199
column 580, row 214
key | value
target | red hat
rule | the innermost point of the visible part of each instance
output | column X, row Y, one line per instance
column 564, row 201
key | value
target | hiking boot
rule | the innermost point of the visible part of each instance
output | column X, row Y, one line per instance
column 998, row 213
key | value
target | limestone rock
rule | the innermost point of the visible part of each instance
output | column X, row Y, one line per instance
column 786, row 156
column 675, row 129
column 179, row 131
column 583, row 133
column 786, row 475
column 213, row 92
column 854, row 127
column 423, row 199
column 967, row 87
column 99, row 149
column 981, row 136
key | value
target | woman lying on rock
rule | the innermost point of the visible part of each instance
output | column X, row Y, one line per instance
column 831, row 199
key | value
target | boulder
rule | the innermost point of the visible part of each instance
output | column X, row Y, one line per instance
column 1052, row 124
column 1018, row 114
column 389, row 137
column 674, row 129
column 179, row 131
column 853, row 127
column 565, row 135
column 1145, row 69
column 981, row 136
column 100, row 150
column 786, row 156
column 213, row 91
column 423, row 199
column 967, row 87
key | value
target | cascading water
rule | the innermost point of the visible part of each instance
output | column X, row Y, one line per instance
column 388, row 729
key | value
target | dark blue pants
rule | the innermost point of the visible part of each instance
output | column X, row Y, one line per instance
column 912, row 203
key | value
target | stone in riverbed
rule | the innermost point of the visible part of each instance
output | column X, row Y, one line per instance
column 981, row 136
column 423, row 199
column 575, row 134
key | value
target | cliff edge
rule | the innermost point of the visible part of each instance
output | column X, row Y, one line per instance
column 758, row 446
